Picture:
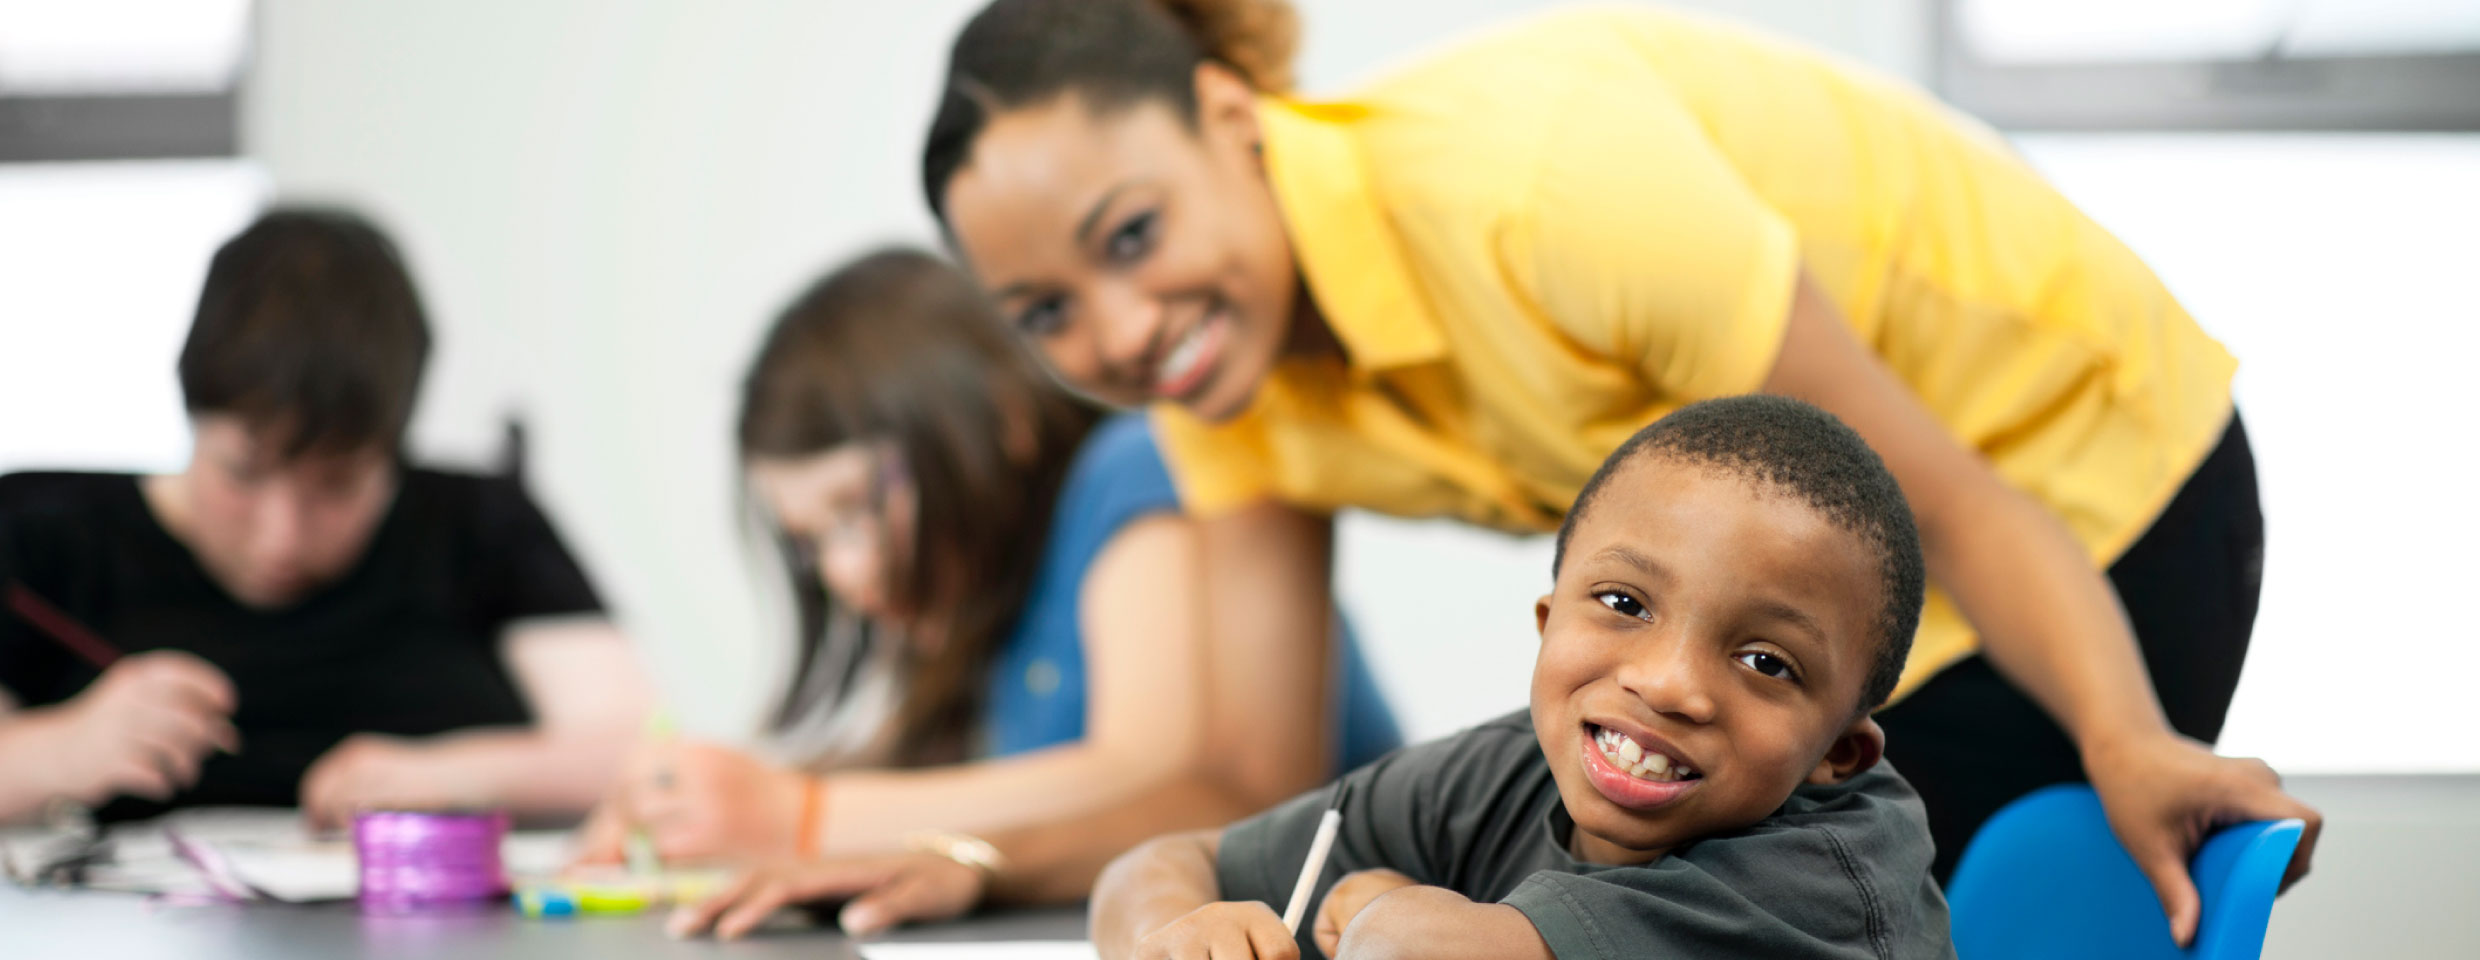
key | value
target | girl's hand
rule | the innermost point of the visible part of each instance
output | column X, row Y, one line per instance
column 698, row 802
column 884, row 891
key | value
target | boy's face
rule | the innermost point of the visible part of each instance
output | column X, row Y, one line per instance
column 271, row 529
column 1706, row 622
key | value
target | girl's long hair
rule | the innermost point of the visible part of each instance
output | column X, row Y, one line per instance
column 901, row 350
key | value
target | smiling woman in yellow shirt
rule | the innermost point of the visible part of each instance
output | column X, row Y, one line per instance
column 1453, row 292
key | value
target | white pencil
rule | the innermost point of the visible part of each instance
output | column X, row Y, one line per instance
column 1318, row 848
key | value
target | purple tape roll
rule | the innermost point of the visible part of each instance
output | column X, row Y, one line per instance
column 412, row 860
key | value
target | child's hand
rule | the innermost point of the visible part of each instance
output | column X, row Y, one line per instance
column 699, row 803
column 1346, row 898
column 883, row 891
column 368, row 771
column 1222, row 931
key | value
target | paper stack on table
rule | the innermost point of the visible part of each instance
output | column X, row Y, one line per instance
column 268, row 848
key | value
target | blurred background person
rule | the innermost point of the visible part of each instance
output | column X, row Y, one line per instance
column 999, row 621
column 306, row 618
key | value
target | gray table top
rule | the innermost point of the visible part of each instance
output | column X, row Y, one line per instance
column 46, row 924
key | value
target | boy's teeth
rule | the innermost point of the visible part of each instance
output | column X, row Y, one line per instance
column 1628, row 755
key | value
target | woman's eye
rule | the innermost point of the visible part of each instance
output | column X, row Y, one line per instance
column 1624, row 604
column 1042, row 319
column 1767, row 664
column 1131, row 239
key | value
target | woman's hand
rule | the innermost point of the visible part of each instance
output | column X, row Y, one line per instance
column 2165, row 793
column 883, row 892
column 1346, row 898
column 698, row 802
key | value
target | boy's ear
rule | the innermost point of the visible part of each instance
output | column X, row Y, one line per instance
column 1855, row 750
column 1541, row 617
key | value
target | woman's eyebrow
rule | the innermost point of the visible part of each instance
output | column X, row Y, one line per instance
column 1093, row 215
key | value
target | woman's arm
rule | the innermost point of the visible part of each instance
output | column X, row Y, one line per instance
column 589, row 700
column 1271, row 616
column 2048, row 620
column 1144, row 642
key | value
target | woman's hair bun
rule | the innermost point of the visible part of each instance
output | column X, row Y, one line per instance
column 1256, row 37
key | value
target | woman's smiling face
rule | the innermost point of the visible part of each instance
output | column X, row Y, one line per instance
column 1144, row 257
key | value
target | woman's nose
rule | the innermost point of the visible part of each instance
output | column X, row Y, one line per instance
column 1127, row 327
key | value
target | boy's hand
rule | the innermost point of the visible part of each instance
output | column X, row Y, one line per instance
column 884, row 891
column 143, row 728
column 1222, row 931
column 1346, row 898
column 368, row 771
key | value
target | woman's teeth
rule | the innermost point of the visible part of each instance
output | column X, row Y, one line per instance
column 1181, row 361
column 1640, row 763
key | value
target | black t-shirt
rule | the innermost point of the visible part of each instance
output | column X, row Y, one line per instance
column 406, row 642
column 1837, row 872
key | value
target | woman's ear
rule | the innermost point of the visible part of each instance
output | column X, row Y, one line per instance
column 1858, row 748
column 1226, row 106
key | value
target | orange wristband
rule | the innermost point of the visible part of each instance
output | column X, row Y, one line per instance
column 806, row 830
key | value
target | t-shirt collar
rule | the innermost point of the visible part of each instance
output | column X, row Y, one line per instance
column 1347, row 249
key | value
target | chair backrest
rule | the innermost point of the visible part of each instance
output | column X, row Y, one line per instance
column 2047, row 878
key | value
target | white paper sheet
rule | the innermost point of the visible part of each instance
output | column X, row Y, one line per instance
column 1022, row 950
column 269, row 848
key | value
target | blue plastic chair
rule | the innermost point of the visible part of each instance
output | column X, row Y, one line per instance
column 2046, row 878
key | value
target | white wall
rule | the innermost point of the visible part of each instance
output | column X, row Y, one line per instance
column 100, row 265
column 606, row 201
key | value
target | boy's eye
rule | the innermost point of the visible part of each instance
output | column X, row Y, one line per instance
column 1043, row 318
column 1767, row 664
column 1624, row 604
column 1131, row 239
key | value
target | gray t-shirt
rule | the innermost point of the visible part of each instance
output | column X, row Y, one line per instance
column 1840, row 872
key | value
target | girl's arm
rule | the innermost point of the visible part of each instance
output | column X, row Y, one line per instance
column 1144, row 642
column 2048, row 620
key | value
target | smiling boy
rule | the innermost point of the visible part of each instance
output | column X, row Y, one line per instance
column 1733, row 592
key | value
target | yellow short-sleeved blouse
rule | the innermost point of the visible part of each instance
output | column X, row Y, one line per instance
column 1534, row 243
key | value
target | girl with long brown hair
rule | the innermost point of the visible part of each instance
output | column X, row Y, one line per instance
column 999, row 617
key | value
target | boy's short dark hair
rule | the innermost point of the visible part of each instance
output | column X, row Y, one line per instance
column 309, row 323
column 1805, row 451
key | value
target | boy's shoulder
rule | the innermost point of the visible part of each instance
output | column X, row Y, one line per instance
column 1837, row 871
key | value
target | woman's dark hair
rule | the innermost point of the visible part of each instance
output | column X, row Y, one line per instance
column 901, row 348
column 309, row 323
column 1112, row 53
